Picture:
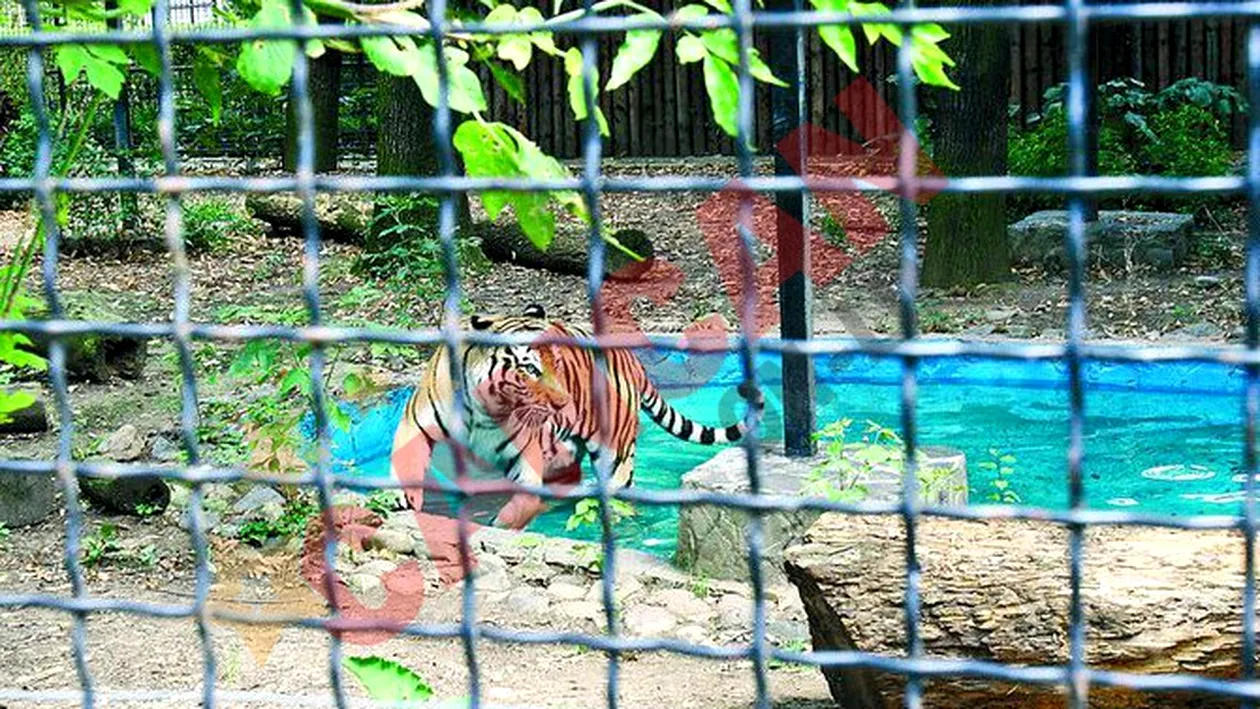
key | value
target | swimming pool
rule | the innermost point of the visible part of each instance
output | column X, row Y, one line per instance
column 1159, row 437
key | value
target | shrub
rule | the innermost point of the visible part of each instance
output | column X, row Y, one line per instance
column 209, row 224
column 403, row 245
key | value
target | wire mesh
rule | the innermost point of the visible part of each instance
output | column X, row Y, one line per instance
column 1076, row 676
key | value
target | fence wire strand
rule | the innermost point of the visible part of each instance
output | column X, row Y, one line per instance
column 1077, row 677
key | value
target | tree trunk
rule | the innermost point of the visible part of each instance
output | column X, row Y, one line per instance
column 324, row 88
column 404, row 143
column 966, row 233
column 1156, row 601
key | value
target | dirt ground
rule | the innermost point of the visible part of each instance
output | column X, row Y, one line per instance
column 1200, row 301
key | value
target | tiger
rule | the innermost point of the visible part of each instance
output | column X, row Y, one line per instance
column 533, row 405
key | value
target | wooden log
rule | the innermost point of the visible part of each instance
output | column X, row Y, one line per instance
column 142, row 496
column 1155, row 601
column 342, row 217
column 567, row 253
column 32, row 418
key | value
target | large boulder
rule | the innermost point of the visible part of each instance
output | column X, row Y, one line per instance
column 1119, row 239
column 712, row 539
column 1155, row 601
column 97, row 357
column 26, row 499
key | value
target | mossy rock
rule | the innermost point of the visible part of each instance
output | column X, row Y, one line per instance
column 100, row 357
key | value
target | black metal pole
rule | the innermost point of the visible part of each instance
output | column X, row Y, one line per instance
column 787, row 61
column 122, row 139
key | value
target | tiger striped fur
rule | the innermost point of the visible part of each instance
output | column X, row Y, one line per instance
column 535, row 407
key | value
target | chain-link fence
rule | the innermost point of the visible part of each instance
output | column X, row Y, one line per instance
column 1076, row 676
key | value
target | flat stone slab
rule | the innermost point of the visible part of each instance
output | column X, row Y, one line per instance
column 1119, row 239
column 712, row 539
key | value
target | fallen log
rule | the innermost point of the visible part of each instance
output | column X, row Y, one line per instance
column 342, row 217
column 1155, row 601
column 568, row 253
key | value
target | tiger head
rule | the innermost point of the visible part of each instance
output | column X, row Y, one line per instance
column 518, row 379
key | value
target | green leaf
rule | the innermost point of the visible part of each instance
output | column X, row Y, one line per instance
column 15, row 401
column 509, row 82
column 135, row 7
column 635, row 52
column 577, row 92
column 352, row 384
column 690, row 49
column 516, row 49
column 206, row 79
column 691, row 12
column 840, row 39
column 146, row 55
column 110, row 53
column 386, row 680
column 393, row 55
column 725, row 44
column 105, row 77
column 542, row 40
column 71, row 58
column 723, row 89
column 720, row 5
column 874, row 31
column 464, row 85
column 266, row 65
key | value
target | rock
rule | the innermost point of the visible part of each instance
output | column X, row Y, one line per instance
column 684, row 604
column 711, row 539
column 535, row 572
column 1157, row 601
column 395, row 540
column 999, row 315
column 1207, row 282
column 350, row 498
column 98, row 357
column 378, row 567
column 143, row 495
column 694, row 634
column 212, row 522
column 623, row 590
column 494, row 581
column 1160, row 240
column 648, row 621
column 1022, row 332
column 566, row 591
column 645, row 569
column 786, row 632
column 735, row 612
column 526, row 601
column 124, row 445
column 580, row 610
column 261, row 502
column 164, row 450
column 369, row 588
column 1197, row 331
column 978, row 331
column 31, row 417
column 26, row 499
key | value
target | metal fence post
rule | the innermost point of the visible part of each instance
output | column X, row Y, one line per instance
column 791, row 226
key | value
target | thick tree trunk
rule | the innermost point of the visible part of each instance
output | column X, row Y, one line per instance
column 404, row 143
column 1156, row 601
column 966, row 233
column 324, row 87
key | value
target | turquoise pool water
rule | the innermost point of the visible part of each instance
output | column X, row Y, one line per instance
column 1161, row 437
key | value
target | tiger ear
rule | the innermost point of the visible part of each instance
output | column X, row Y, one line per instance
column 480, row 323
column 534, row 310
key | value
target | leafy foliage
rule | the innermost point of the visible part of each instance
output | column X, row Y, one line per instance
column 1002, row 466
column 401, row 248
column 586, row 513
column 846, row 464
column 209, row 224
column 388, row 681
column 298, row 513
column 1175, row 132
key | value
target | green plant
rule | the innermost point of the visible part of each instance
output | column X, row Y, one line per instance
column 4, row 531
column 834, row 232
column 586, row 513
column 846, row 464
column 1221, row 100
column 97, row 547
column 700, row 587
column 401, row 249
column 1002, row 466
column 382, row 502
column 937, row 320
column 209, row 224
column 297, row 515
column 392, row 682
column 790, row 646
column 145, row 509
